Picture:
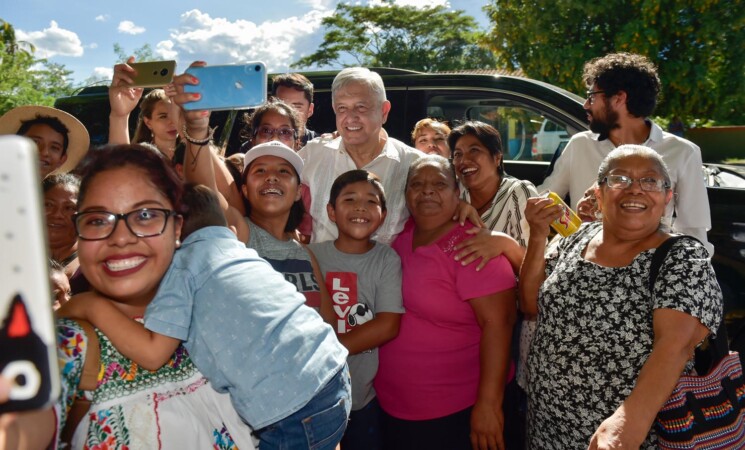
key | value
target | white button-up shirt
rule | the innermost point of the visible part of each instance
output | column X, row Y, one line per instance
column 327, row 159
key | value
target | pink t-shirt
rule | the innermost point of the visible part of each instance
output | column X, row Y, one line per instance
column 431, row 369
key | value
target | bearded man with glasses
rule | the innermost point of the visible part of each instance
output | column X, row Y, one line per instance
column 622, row 93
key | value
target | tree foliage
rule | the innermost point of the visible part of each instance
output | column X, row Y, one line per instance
column 25, row 79
column 696, row 44
column 388, row 35
column 142, row 54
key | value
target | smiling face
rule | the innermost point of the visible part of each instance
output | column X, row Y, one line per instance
column 60, row 203
column 633, row 211
column 359, row 115
column 51, row 145
column 431, row 196
column 124, row 267
column 296, row 99
column 163, row 123
column 475, row 166
column 600, row 112
column 358, row 211
column 60, row 288
column 274, row 121
column 431, row 141
column 271, row 186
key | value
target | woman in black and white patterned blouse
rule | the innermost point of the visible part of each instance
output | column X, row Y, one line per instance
column 608, row 352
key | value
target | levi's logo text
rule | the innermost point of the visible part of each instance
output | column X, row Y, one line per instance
column 342, row 288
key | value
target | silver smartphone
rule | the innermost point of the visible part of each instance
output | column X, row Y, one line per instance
column 28, row 356
column 228, row 87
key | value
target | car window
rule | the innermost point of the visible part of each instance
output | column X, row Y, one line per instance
column 526, row 133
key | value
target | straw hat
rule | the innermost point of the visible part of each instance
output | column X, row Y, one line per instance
column 78, row 138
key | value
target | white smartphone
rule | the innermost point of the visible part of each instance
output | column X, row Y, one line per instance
column 28, row 355
column 153, row 73
column 228, row 87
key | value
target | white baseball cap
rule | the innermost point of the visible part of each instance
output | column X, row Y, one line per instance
column 273, row 148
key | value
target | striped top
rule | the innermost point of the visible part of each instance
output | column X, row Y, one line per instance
column 507, row 210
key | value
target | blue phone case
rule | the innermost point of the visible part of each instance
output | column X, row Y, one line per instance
column 228, row 87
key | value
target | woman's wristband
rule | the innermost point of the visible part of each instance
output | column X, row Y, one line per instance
column 191, row 140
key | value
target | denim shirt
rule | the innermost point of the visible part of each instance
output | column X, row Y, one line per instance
column 247, row 329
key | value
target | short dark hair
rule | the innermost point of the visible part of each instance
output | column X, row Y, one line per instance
column 52, row 122
column 61, row 179
column 200, row 208
column 355, row 176
column 444, row 165
column 485, row 133
column 295, row 81
column 146, row 158
column 634, row 74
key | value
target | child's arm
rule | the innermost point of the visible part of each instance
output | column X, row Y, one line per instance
column 149, row 350
column 372, row 334
column 326, row 310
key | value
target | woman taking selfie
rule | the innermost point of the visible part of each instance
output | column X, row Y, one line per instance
column 128, row 231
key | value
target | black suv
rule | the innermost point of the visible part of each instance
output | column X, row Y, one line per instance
column 520, row 109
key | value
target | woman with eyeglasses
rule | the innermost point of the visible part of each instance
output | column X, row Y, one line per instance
column 608, row 351
column 128, row 231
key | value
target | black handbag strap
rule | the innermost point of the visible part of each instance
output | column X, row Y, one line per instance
column 659, row 257
column 714, row 348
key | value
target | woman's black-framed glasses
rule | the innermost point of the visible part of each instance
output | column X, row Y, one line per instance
column 648, row 184
column 143, row 222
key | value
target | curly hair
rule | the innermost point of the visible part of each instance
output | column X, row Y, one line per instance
column 634, row 74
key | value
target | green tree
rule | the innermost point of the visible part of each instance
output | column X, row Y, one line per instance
column 142, row 54
column 697, row 45
column 388, row 35
column 25, row 79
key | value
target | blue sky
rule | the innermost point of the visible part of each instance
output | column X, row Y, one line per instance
column 80, row 34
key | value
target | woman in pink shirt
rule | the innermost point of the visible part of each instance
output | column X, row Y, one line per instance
column 441, row 381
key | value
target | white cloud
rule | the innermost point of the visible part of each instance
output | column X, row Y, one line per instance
column 165, row 50
column 92, row 45
column 129, row 27
column 222, row 41
column 103, row 73
column 322, row 5
column 102, row 18
column 53, row 41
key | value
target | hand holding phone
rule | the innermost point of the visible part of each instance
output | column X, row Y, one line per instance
column 228, row 87
column 28, row 356
column 153, row 73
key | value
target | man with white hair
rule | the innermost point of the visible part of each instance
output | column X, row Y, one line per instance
column 361, row 108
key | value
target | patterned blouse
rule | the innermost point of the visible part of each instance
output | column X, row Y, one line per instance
column 595, row 333
column 133, row 408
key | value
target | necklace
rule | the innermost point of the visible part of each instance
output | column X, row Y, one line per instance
column 482, row 208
